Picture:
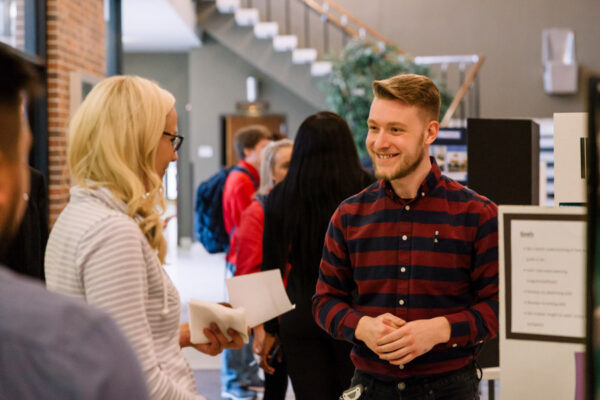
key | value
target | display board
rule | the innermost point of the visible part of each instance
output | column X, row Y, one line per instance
column 504, row 160
column 571, row 160
column 542, row 253
column 450, row 152
column 593, row 287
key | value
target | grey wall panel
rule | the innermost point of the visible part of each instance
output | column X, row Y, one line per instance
column 508, row 32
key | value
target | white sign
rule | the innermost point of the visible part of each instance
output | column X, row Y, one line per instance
column 547, row 267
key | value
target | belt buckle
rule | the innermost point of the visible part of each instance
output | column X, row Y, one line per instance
column 353, row 393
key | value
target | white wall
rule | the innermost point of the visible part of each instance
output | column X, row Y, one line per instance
column 217, row 81
column 507, row 32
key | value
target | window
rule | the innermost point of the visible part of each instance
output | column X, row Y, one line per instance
column 12, row 23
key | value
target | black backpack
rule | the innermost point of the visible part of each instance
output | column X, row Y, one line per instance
column 209, row 226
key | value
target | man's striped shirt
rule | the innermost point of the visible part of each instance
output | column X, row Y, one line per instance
column 435, row 255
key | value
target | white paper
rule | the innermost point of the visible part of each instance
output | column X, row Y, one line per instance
column 203, row 313
column 261, row 294
column 548, row 277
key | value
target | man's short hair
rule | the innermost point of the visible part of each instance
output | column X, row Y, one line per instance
column 414, row 90
column 17, row 77
column 248, row 137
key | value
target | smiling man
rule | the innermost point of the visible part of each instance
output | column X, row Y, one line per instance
column 409, row 272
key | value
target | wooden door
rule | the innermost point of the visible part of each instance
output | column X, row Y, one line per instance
column 232, row 123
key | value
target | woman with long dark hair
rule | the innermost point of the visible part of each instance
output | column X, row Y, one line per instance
column 324, row 170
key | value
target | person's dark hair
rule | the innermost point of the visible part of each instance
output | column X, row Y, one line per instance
column 324, row 170
column 17, row 77
column 248, row 137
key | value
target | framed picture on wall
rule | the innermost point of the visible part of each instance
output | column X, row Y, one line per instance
column 80, row 84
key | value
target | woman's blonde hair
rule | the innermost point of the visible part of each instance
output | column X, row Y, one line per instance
column 267, row 163
column 112, row 142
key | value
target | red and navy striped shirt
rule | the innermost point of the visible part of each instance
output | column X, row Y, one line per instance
column 435, row 255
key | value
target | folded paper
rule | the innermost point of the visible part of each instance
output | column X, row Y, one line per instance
column 203, row 313
column 261, row 294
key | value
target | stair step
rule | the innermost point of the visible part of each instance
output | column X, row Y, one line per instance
column 320, row 68
column 266, row 30
column 228, row 6
column 285, row 42
column 304, row 56
column 247, row 16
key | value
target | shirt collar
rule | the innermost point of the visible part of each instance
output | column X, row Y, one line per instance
column 429, row 183
column 100, row 193
column 251, row 168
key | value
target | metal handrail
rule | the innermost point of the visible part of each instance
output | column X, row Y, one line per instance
column 359, row 30
column 341, row 22
column 470, row 82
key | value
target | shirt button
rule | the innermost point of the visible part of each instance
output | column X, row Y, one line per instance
column 422, row 194
column 407, row 208
column 454, row 345
column 402, row 269
column 402, row 386
column 404, row 237
column 401, row 302
column 401, row 366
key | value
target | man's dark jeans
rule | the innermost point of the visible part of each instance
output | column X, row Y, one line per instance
column 462, row 384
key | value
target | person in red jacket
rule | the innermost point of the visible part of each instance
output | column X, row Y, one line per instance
column 275, row 161
column 238, row 369
column 243, row 181
column 274, row 165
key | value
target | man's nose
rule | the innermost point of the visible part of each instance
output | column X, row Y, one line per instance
column 382, row 140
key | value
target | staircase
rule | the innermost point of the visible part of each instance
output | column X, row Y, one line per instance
column 282, row 40
column 261, row 45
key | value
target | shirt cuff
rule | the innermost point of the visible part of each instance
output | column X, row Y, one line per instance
column 349, row 326
column 460, row 329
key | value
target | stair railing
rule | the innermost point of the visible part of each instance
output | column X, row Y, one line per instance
column 466, row 101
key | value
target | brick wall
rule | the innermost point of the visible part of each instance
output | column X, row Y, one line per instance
column 75, row 43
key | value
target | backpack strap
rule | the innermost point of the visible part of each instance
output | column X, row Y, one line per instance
column 261, row 199
column 248, row 174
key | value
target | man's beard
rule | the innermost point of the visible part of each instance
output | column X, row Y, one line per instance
column 402, row 171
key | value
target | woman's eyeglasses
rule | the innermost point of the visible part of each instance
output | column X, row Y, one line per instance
column 176, row 140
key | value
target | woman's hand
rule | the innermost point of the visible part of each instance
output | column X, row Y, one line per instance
column 217, row 340
column 259, row 339
column 268, row 344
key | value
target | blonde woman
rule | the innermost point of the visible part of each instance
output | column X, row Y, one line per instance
column 107, row 246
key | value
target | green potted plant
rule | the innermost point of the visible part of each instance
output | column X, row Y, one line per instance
column 348, row 87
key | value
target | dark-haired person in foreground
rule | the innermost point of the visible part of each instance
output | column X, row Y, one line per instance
column 409, row 273
column 25, row 254
column 50, row 347
column 323, row 171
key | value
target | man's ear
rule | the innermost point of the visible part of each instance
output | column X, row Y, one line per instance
column 247, row 152
column 433, row 128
